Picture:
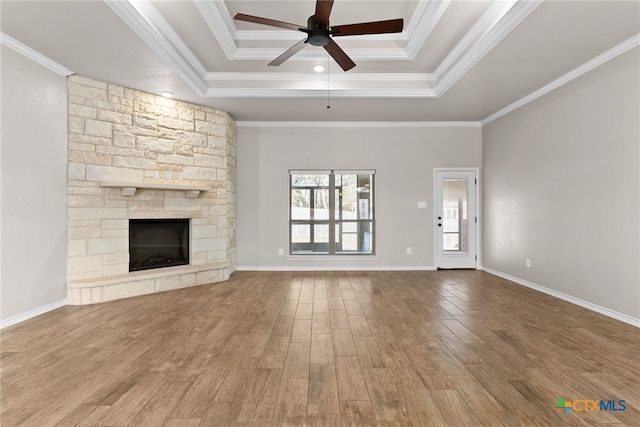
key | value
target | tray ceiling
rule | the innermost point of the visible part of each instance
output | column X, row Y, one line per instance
column 455, row 60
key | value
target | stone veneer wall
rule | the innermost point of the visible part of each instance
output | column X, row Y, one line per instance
column 125, row 135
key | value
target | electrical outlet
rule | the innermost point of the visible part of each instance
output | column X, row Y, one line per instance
column 180, row 175
column 156, row 174
column 527, row 263
column 168, row 174
column 408, row 251
column 280, row 251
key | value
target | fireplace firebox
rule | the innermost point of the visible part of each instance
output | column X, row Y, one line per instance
column 158, row 243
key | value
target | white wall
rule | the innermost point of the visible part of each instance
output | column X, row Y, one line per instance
column 33, row 186
column 403, row 157
column 562, row 188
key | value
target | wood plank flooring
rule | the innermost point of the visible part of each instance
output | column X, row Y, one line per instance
column 437, row 348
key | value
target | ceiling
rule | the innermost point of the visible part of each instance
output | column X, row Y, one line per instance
column 454, row 61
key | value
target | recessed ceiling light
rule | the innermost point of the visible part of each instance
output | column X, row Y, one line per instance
column 318, row 68
column 166, row 94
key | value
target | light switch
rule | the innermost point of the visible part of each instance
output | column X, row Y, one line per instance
column 422, row 205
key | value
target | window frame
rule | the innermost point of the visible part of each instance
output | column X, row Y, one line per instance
column 333, row 221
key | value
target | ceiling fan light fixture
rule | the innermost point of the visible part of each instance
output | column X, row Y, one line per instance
column 318, row 38
column 318, row 68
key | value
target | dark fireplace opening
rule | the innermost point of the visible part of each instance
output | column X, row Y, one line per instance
column 157, row 243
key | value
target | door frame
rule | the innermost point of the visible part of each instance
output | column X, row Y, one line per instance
column 476, row 171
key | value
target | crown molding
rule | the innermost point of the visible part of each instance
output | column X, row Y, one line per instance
column 491, row 15
column 511, row 18
column 276, row 124
column 566, row 78
column 429, row 13
column 317, row 54
column 337, row 77
column 163, row 29
column 247, row 93
column 147, row 23
column 216, row 15
column 321, row 92
column 33, row 55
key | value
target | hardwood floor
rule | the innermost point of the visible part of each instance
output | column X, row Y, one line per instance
column 438, row 348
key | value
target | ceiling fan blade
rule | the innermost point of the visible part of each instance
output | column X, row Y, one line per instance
column 378, row 27
column 340, row 57
column 266, row 21
column 323, row 10
column 289, row 53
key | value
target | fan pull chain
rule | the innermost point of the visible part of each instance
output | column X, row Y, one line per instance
column 328, row 98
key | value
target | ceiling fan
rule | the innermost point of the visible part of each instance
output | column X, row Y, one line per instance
column 320, row 33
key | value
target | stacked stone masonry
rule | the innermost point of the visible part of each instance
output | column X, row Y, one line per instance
column 124, row 135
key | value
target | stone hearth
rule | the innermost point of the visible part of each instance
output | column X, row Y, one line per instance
column 135, row 155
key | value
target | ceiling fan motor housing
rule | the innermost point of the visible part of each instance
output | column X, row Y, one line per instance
column 318, row 34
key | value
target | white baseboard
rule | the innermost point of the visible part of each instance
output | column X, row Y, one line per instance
column 577, row 301
column 332, row 268
column 32, row 313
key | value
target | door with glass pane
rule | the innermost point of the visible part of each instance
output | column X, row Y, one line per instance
column 456, row 218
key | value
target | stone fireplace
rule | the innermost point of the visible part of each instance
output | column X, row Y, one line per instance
column 137, row 156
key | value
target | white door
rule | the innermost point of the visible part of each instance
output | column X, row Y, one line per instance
column 456, row 219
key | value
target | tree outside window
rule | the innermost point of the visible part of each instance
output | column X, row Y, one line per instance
column 331, row 212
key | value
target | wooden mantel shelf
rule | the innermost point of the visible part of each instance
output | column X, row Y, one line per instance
column 129, row 188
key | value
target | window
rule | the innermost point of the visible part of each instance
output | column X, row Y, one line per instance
column 331, row 212
column 455, row 222
column 451, row 228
